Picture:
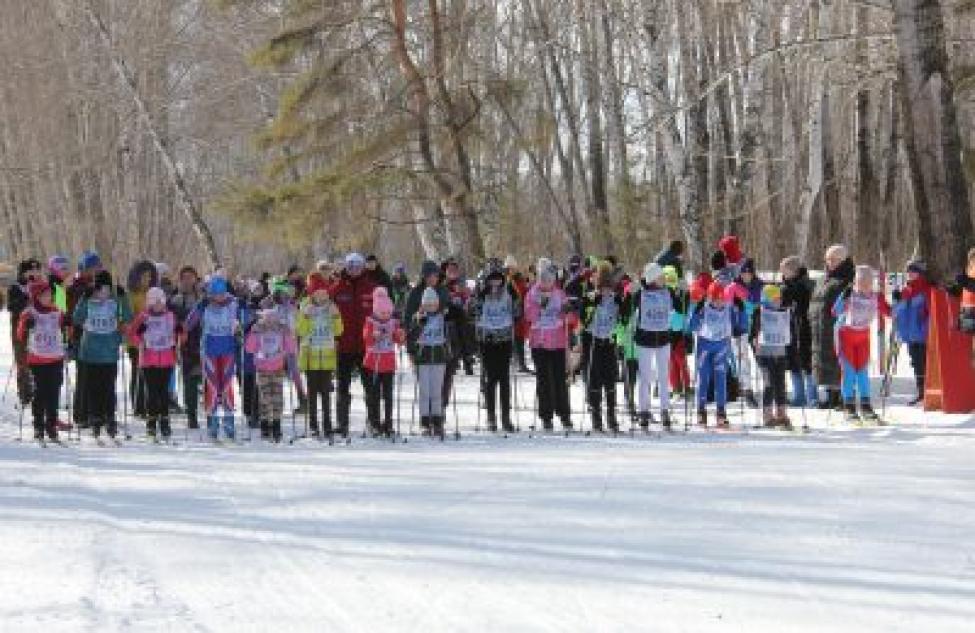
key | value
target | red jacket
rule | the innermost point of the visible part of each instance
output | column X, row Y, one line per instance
column 520, row 284
column 381, row 358
column 353, row 297
column 26, row 323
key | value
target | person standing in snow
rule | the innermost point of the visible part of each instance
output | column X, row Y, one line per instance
column 826, row 365
column 18, row 300
column 154, row 332
column 797, row 290
column 187, row 297
column 912, row 310
column 40, row 328
column 551, row 318
column 714, row 320
column 602, row 311
column 772, row 337
column 651, row 311
column 319, row 325
column 496, row 309
column 142, row 276
column 352, row 294
column 381, row 335
column 89, row 265
column 517, row 281
column 673, row 256
column 428, row 344
column 680, row 373
column 101, row 316
column 273, row 345
column 855, row 312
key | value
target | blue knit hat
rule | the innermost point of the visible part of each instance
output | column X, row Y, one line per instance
column 89, row 260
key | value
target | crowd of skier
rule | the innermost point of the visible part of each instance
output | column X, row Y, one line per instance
column 806, row 342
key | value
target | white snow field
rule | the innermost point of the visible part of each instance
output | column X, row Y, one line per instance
column 844, row 529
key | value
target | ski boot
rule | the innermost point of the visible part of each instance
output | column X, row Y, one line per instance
column 164, row 428
column 151, row 429
column 425, row 426
column 782, row 418
column 437, row 426
column 722, row 421
column 265, row 430
column 768, row 418
column 645, row 420
column 276, row 431
column 547, row 425
column 851, row 413
column 229, row 428
column 750, row 400
column 567, row 425
column 213, row 427
column 666, row 421
column 702, row 419
column 492, row 423
column 868, row 414
column 597, row 421
column 506, row 424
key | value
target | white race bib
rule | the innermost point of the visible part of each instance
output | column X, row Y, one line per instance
column 321, row 336
column 102, row 317
column 715, row 324
column 159, row 334
column 604, row 319
column 270, row 344
column 219, row 320
column 433, row 333
column 550, row 316
column 384, row 336
column 775, row 328
column 45, row 337
column 861, row 311
column 655, row 307
column 496, row 314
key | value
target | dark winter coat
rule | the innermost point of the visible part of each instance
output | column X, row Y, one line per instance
column 353, row 297
column 826, row 366
column 796, row 294
column 668, row 257
column 455, row 317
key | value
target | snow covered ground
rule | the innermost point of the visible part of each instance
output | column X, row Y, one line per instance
column 841, row 530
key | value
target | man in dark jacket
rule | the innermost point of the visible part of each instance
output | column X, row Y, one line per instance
column 797, row 290
column 18, row 298
column 352, row 295
column 379, row 275
column 673, row 255
column 840, row 271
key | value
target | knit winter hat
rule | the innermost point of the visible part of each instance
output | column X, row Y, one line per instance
column 917, row 266
column 430, row 297
column 379, row 292
column 428, row 268
column 89, row 260
column 718, row 260
column 510, row 262
column 103, row 278
column 771, row 293
column 652, row 272
column 315, row 282
column 748, row 266
column 58, row 265
column 731, row 248
column 155, row 295
column 547, row 275
column 382, row 306
column 863, row 272
column 355, row 260
column 716, row 292
column 217, row 286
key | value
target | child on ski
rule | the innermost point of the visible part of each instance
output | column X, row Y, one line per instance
column 551, row 317
column 185, row 300
column 154, row 333
column 496, row 310
column 273, row 345
column 911, row 310
column 856, row 310
column 714, row 321
column 381, row 334
column 217, row 316
column 651, row 309
column 428, row 344
column 101, row 316
column 748, row 287
column 772, row 338
column 41, row 329
column 318, row 325
column 601, row 310
column 680, row 373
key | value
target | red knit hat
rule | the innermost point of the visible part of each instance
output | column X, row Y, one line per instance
column 716, row 292
column 731, row 248
column 316, row 281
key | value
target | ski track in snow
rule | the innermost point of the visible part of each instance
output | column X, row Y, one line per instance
column 845, row 529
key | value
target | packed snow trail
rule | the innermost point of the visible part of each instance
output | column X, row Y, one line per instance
column 845, row 529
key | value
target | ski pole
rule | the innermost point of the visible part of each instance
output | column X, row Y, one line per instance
column 20, row 424
column 398, row 385
column 453, row 402
column 413, row 405
column 6, row 385
column 125, row 398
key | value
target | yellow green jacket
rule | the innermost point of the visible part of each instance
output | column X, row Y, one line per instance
column 314, row 351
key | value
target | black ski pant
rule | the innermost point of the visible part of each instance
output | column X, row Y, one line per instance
column 348, row 364
column 495, row 377
column 600, row 370
column 137, row 384
column 773, row 375
column 47, row 390
column 379, row 386
column 191, row 395
column 318, row 383
column 250, row 396
column 25, row 381
column 551, row 384
column 100, row 396
column 919, row 359
column 157, row 399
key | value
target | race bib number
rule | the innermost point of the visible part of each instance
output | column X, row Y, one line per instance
column 102, row 317
column 775, row 328
column 270, row 345
column 655, row 307
column 496, row 315
column 861, row 311
column 550, row 317
column 159, row 333
column 218, row 320
column 433, row 334
column 384, row 337
column 321, row 336
column 45, row 337
column 715, row 324
column 604, row 320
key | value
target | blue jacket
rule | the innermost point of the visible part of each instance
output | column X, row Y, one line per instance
column 911, row 318
column 101, row 348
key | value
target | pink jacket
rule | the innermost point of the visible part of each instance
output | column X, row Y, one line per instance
column 155, row 334
column 549, row 326
column 271, row 347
